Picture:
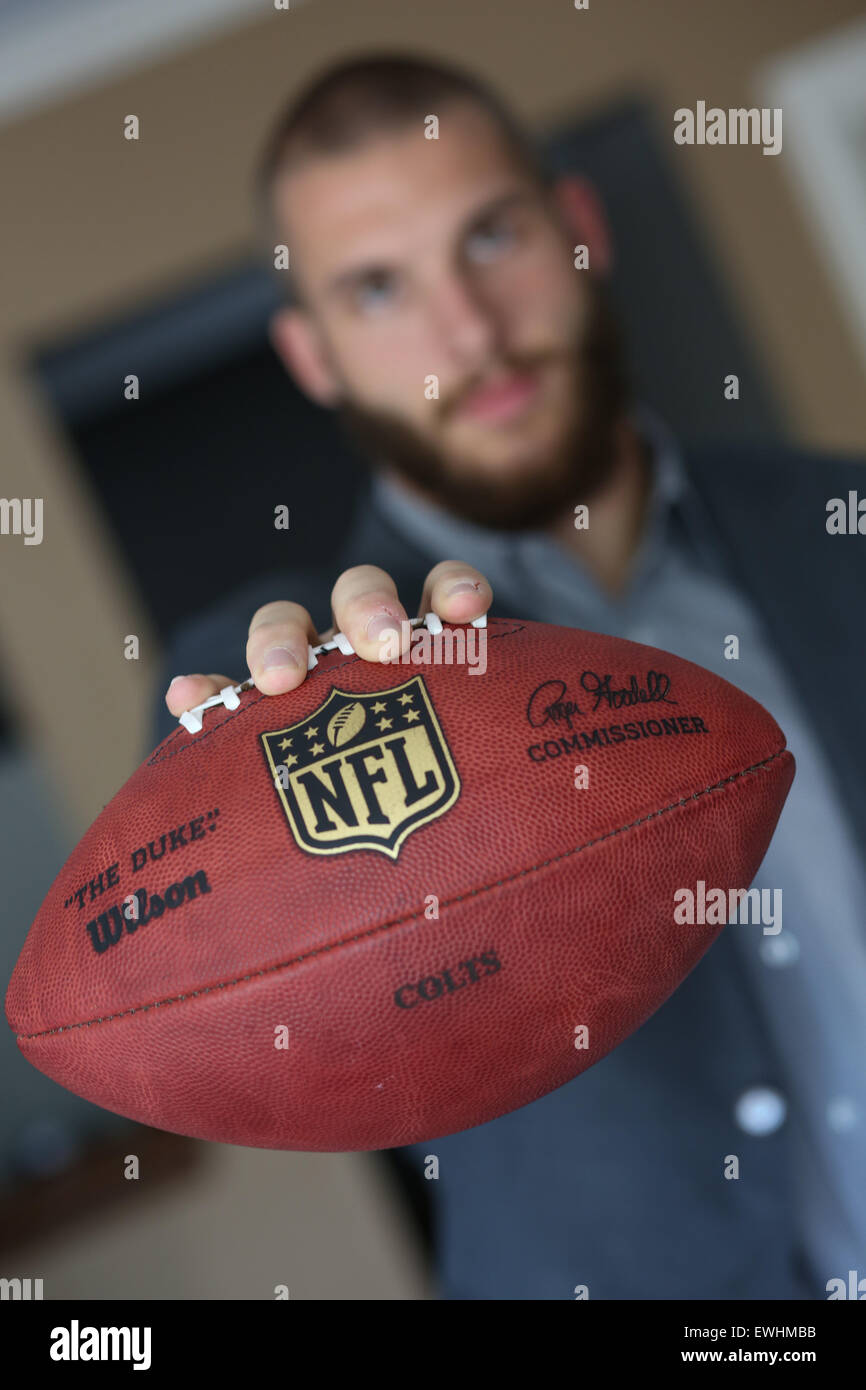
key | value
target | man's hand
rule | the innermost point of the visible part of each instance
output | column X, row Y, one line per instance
column 364, row 606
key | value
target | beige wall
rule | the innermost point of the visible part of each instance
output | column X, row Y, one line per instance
column 95, row 224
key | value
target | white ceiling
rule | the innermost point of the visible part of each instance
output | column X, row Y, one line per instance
column 50, row 49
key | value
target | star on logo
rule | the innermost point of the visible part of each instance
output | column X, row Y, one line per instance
column 411, row 715
column 286, row 743
column 406, row 699
column 384, row 724
column 311, row 732
column 379, row 707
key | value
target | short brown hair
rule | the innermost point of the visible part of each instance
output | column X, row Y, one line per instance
column 357, row 99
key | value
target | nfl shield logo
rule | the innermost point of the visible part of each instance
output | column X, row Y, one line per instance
column 364, row 770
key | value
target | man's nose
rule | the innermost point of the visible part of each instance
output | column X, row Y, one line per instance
column 466, row 327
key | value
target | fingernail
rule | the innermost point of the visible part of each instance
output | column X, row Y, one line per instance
column 174, row 680
column 379, row 625
column 463, row 586
column 279, row 658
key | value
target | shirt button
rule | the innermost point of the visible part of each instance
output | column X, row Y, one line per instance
column 780, row 950
column 761, row 1110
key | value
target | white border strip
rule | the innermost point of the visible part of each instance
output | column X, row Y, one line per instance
column 50, row 49
column 822, row 90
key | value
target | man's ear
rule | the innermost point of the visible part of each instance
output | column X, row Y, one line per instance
column 298, row 345
column 581, row 205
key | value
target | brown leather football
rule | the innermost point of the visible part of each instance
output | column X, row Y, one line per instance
column 402, row 899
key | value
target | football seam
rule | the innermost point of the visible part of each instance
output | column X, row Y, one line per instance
column 401, row 921
column 193, row 741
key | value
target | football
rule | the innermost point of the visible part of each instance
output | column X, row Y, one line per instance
column 407, row 897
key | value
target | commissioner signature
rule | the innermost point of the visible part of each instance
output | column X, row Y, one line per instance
column 550, row 703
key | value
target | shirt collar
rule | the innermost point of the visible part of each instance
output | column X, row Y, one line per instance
column 435, row 530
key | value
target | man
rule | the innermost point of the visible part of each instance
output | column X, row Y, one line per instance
column 435, row 303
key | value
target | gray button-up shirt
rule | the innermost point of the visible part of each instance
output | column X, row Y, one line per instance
column 810, row 977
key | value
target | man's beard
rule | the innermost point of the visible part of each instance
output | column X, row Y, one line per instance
column 573, row 472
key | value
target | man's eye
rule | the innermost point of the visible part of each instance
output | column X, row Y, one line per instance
column 375, row 292
column 488, row 242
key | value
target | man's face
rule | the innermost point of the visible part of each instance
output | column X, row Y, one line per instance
column 441, row 259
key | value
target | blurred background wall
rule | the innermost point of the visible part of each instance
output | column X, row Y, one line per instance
column 117, row 254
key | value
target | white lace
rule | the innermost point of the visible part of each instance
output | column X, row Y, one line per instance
column 228, row 697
